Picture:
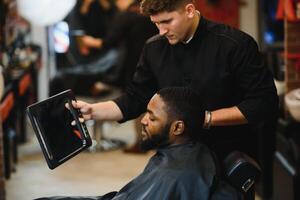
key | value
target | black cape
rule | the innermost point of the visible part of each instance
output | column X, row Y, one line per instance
column 177, row 172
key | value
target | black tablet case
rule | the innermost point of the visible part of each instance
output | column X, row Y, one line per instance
column 51, row 121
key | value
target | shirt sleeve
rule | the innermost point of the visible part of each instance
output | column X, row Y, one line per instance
column 256, row 81
column 143, row 86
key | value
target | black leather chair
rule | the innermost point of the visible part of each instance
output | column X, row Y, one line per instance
column 242, row 172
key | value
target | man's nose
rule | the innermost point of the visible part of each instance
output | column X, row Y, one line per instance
column 143, row 120
column 162, row 30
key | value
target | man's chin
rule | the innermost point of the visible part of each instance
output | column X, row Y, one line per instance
column 151, row 144
column 147, row 144
column 172, row 42
column 156, row 141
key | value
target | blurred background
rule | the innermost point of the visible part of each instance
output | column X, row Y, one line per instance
column 91, row 46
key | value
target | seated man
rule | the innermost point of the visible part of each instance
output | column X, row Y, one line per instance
column 182, row 168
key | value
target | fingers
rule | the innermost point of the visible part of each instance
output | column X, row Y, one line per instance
column 84, row 107
column 85, row 110
column 78, row 104
column 74, row 104
column 81, row 120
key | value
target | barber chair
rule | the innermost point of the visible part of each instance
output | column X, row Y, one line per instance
column 287, row 161
column 10, row 151
column 242, row 172
column 7, row 112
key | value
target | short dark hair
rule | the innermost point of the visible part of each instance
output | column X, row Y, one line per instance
column 152, row 7
column 183, row 103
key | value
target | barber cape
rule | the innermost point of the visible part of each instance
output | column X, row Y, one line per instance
column 176, row 172
column 184, row 171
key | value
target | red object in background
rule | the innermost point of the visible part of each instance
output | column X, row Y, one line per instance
column 24, row 84
column 295, row 56
column 298, row 65
column 223, row 11
column 286, row 8
column 6, row 106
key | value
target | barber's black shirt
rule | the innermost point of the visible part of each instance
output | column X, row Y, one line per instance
column 221, row 63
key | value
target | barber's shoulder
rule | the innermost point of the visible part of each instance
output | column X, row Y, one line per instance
column 230, row 34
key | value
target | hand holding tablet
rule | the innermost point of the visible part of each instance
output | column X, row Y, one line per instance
column 84, row 108
column 51, row 121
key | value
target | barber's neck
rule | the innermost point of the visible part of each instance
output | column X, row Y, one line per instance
column 194, row 26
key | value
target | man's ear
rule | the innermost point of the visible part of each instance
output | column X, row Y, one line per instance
column 177, row 127
column 190, row 10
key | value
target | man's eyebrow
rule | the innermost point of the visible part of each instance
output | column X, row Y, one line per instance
column 162, row 21
column 165, row 20
column 150, row 111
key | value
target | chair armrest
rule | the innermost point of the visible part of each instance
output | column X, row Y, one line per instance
column 241, row 170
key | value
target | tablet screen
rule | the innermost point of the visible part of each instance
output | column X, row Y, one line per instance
column 58, row 138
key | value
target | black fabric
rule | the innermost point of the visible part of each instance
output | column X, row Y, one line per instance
column 132, row 30
column 94, row 23
column 98, row 19
column 221, row 63
column 177, row 172
column 224, row 191
column 107, row 196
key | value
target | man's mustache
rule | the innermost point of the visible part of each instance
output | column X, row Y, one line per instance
column 144, row 129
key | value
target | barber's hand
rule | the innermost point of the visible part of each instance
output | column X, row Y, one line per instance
column 101, row 111
column 85, row 108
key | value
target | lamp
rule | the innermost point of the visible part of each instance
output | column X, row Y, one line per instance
column 44, row 12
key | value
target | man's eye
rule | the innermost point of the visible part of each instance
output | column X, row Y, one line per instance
column 151, row 118
column 166, row 21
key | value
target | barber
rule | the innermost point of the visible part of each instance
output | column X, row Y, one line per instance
column 220, row 62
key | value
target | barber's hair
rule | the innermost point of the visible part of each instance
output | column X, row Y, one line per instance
column 152, row 7
column 184, row 104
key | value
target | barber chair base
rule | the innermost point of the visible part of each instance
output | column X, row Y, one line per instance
column 287, row 162
column 106, row 144
column 286, row 180
column 99, row 141
column 9, row 152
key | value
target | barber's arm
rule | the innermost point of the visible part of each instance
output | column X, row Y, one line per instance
column 142, row 87
column 226, row 117
column 129, row 105
column 103, row 111
column 253, row 77
column 256, row 81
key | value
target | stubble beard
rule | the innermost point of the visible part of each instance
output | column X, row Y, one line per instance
column 156, row 141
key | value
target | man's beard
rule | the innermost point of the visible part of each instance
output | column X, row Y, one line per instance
column 157, row 140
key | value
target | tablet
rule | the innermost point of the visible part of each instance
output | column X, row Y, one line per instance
column 51, row 122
